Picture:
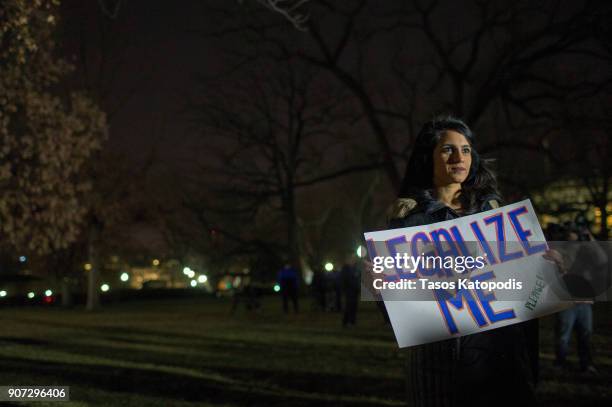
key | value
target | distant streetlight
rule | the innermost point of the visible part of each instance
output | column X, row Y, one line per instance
column 186, row 270
column 202, row 279
column 191, row 274
column 31, row 295
column 104, row 287
column 329, row 266
column 276, row 288
column 3, row 293
column 87, row 266
column 193, row 283
column 156, row 262
column 360, row 251
column 48, row 293
column 124, row 277
column 22, row 259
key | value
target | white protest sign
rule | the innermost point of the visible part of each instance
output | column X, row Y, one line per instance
column 512, row 244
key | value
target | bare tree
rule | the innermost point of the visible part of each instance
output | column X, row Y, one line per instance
column 588, row 135
column 497, row 60
column 289, row 9
column 274, row 129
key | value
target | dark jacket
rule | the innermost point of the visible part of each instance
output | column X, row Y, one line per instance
column 495, row 367
column 288, row 278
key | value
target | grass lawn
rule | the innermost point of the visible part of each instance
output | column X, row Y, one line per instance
column 187, row 352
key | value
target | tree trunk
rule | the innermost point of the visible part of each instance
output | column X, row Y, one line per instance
column 292, row 240
column 93, row 275
column 604, row 231
column 603, row 206
column 65, row 289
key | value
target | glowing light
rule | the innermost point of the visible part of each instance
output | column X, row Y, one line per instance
column 155, row 262
column 276, row 288
column 48, row 293
column 193, row 283
column 191, row 274
column 104, row 287
column 329, row 266
column 186, row 271
column 31, row 295
column 87, row 266
column 3, row 293
column 360, row 251
column 202, row 279
column 22, row 259
column 124, row 277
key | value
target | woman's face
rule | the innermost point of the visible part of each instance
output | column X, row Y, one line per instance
column 452, row 158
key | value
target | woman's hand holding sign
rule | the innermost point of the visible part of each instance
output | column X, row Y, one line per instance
column 555, row 257
column 368, row 271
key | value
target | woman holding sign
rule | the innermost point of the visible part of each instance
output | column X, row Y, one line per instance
column 446, row 179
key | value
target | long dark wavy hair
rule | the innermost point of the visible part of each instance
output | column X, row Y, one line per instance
column 480, row 184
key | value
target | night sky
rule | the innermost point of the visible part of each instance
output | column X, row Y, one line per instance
column 154, row 57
